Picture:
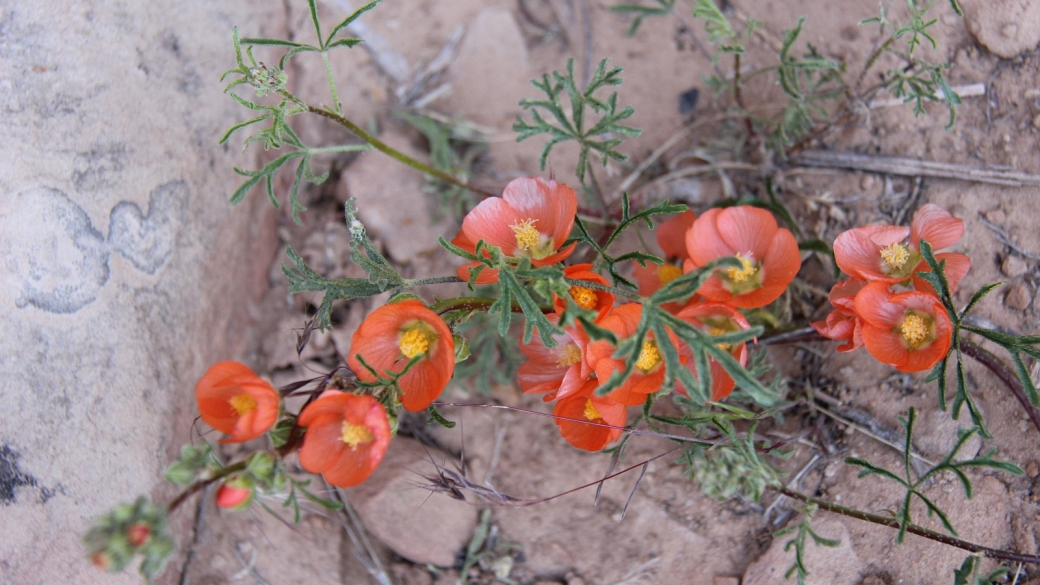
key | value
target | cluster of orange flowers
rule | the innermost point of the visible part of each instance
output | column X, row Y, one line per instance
column 406, row 346
column 885, row 306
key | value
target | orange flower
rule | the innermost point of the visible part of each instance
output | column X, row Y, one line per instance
column 648, row 372
column 908, row 330
column 531, row 219
column 236, row 402
column 391, row 336
column 584, row 297
column 585, row 406
column 653, row 277
column 768, row 254
column 891, row 254
column 671, row 235
column 233, row 498
column 716, row 319
column 347, row 436
column 561, row 370
column 843, row 324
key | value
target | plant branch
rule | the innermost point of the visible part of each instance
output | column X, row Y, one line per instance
column 385, row 148
column 995, row 365
column 433, row 280
column 912, row 528
column 201, row 485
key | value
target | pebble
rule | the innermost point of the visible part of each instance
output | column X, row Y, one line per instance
column 1013, row 266
column 1018, row 297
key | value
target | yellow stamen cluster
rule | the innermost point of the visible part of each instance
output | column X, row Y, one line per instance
column 414, row 342
column 668, row 273
column 720, row 331
column 648, row 356
column 584, row 297
column 590, row 411
column 355, row 435
column 243, row 403
column 895, row 255
column 527, row 237
column 747, row 270
column 914, row 330
column 569, row 356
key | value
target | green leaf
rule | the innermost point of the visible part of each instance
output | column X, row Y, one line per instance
column 437, row 417
column 313, row 7
column 327, row 504
column 346, row 22
column 275, row 43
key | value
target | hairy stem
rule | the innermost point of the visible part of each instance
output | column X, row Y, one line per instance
column 332, row 84
column 921, row 531
column 388, row 150
column 433, row 280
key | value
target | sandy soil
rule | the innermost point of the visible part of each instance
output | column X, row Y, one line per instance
column 671, row 532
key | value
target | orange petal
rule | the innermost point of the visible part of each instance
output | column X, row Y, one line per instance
column 957, row 267
column 490, row 221
column 858, row 251
column 322, row 444
column 748, row 230
column 873, row 305
column 936, row 226
column 671, row 235
column 703, row 241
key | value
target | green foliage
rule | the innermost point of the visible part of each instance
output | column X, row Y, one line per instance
column 194, row 461
column 494, row 358
column 454, row 149
column 111, row 540
column 913, row 488
column 627, row 220
column 802, row 532
column 278, row 133
column 732, row 469
column 916, row 81
column 382, row 276
column 968, row 573
column 720, row 31
column 663, row 8
column 601, row 135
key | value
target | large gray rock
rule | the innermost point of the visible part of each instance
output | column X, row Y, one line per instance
column 123, row 271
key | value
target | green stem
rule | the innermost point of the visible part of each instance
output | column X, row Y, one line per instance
column 408, row 283
column 912, row 528
column 332, row 83
column 200, row 485
column 385, row 148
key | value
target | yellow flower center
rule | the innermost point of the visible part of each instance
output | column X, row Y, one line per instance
column 414, row 342
column 668, row 273
column 648, row 356
column 720, row 331
column 895, row 255
column 590, row 411
column 243, row 403
column 570, row 355
column 527, row 237
column 584, row 297
column 747, row 270
column 915, row 330
column 355, row 435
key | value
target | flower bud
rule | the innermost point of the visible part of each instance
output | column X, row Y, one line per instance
column 233, row 498
column 260, row 465
column 138, row 534
column 101, row 560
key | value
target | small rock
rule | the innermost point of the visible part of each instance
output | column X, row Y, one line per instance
column 1033, row 468
column 394, row 511
column 1036, row 121
column 866, row 182
column 1005, row 27
column 1013, row 266
column 827, row 566
column 1019, row 297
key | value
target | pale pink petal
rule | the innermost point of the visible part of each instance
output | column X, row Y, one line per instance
column 703, row 241
column 936, row 226
column 747, row 230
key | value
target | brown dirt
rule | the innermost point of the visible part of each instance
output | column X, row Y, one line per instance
column 672, row 533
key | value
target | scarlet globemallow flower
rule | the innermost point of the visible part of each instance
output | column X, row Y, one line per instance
column 561, row 370
column 768, row 255
column 843, row 324
column 347, row 436
column 715, row 319
column 531, row 219
column 393, row 335
column 891, row 254
column 647, row 373
column 236, row 402
column 585, row 297
column 651, row 278
column 584, row 407
column 908, row 330
column 671, row 235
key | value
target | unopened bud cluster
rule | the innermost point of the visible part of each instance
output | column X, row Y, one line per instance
column 128, row 531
